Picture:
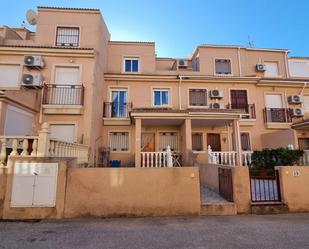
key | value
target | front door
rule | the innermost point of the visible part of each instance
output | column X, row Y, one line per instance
column 213, row 139
column 239, row 99
column 148, row 142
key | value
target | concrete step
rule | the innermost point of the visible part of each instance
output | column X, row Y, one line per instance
column 226, row 208
column 269, row 208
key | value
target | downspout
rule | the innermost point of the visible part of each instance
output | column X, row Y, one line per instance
column 179, row 92
column 302, row 90
column 239, row 62
column 286, row 64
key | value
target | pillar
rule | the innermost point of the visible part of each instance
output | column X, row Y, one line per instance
column 138, row 143
column 186, row 143
column 237, row 142
column 43, row 141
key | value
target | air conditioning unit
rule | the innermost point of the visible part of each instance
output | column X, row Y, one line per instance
column 295, row 99
column 260, row 67
column 181, row 63
column 32, row 80
column 33, row 61
column 216, row 94
column 298, row 112
column 217, row 106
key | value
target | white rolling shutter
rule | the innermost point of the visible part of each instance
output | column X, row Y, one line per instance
column 63, row 132
column 9, row 75
column 67, row 76
column 273, row 101
column 299, row 68
column 18, row 122
column 272, row 69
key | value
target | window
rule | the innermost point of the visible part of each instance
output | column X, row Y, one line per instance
column 160, row 97
column 223, row 66
column 168, row 139
column 306, row 103
column 197, row 141
column 119, row 141
column 67, row 36
column 273, row 101
column 131, row 65
column 67, row 75
column 299, row 68
column 245, row 141
column 272, row 69
column 196, row 64
column 63, row 132
column 9, row 75
column 118, row 103
column 197, row 97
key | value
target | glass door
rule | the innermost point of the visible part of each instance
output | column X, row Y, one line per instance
column 119, row 104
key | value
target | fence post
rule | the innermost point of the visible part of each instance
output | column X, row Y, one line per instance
column 3, row 143
column 209, row 154
column 169, row 157
column 43, row 141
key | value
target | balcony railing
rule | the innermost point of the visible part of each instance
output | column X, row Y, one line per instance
column 63, row 94
column 277, row 115
column 249, row 110
column 117, row 110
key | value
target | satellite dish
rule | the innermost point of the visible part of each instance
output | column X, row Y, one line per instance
column 31, row 17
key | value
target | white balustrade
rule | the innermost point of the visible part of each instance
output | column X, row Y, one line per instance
column 17, row 146
column 159, row 159
column 304, row 160
column 228, row 157
column 246, row 158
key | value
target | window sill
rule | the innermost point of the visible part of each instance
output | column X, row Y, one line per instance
column 116, row 121
column 63, row 109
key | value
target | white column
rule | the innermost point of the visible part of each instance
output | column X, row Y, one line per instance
column 237, row 142
column 138, row 142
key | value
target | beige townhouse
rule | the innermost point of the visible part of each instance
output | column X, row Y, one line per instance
column 55, row 75
column 118, row 97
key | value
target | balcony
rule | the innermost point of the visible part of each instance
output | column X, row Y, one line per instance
column 63, row 99
column 116, row 113
column 249, row 110
column 277, row 118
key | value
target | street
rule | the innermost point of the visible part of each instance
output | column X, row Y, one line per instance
column 243, row 231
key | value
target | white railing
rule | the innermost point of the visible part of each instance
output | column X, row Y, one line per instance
column 246, row 158
column 40, row 146
column 228, row 157
column 17, row 146
column 304, row 160
column 65, row 149
column 160, row 159
column 221, row 157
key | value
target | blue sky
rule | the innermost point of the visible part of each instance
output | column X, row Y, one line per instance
column 178, row 27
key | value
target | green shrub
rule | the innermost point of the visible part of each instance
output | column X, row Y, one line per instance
column 269, row 158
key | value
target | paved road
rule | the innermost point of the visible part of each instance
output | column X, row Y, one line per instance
column 271, row 231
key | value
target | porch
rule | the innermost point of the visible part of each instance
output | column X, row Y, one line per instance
column 193, row 137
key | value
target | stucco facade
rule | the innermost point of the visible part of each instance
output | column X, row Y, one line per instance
column 124, row 92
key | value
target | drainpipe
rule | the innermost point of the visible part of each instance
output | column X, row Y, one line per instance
column 302, row 90
column 239, row 62
column 179, row 92
column 286, row 64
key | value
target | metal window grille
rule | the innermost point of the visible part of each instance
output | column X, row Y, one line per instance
column 168, row 139
column 67, row 36
column 198, row 97
column 197, row 141
column 223, row 66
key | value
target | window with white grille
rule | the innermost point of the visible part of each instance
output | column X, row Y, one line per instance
column 119, row 141
column 168, row 139
column 223, row 66
column 67, row 36
column 198, row 97
column 197, row 141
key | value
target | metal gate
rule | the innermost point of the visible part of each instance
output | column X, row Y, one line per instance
column 226, row 183
column 265, row 186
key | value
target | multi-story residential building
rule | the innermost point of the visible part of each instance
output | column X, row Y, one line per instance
column 120, row 95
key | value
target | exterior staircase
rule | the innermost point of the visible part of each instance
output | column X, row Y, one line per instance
column 213, row 204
